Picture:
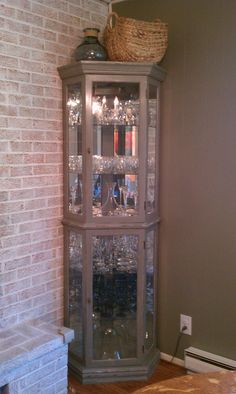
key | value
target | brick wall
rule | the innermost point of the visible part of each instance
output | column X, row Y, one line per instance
column 36, row 38
column 47, row 375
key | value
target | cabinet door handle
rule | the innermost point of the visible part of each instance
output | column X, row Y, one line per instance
column 89, row 151
column 89, row 301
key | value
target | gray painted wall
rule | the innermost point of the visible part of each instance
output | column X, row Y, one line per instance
column 198, row 177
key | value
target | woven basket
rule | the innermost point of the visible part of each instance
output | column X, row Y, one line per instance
column 132, row 40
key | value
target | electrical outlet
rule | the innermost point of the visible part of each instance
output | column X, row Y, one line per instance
column 186, row 321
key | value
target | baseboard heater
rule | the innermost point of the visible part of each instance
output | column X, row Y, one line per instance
column 198, row 361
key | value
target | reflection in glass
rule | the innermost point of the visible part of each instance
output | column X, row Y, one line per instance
column 115, row 195
column 75, row 291
column 74, row 105
column 115, row 103
column 114, row 296
column 149, row 334
column 152, row 123
column 74, row 114
column 75, row 193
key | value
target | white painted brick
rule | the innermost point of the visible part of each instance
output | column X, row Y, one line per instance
column 44, row 34
column 18, row 239
column 17, row 308
column 22, row 194
column 9, row 158
column 34, row 389
column 58, row 353
column 16, row 51
column 57, row 376
column 25, row 370
column 62, row 361
column 3, row 196
column 35, row 362
column 8, row 37
column 7, row 277
column 6, row 231
column 9, row 300
column 65, row 391
column 31, row 314
column 29, row 18
column 12, row 207
column 62, row 386
column 3, row 97
column 13, row 387
column 17, row 286
column 37, row 376
column 32, row 89
column 8, row 322
column 50, row 390
column 29, row 65
column 32, row 292
column 16, row 75
column 17, row 26
column 32, row 112
column 36, row 37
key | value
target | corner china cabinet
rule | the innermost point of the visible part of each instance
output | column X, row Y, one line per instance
column 111, row 162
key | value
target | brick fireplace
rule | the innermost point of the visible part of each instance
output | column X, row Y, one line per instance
column 36, row 38
column 33, row 358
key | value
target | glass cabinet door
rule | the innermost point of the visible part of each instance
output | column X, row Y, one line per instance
column 114, row 267
column 74, row 117
column 75, row 298
column 152, row 158
column 115, row 112
column 149, row 289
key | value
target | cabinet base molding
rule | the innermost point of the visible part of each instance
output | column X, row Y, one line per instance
column 114, row 374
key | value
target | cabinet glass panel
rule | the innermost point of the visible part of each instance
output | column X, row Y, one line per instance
column 152, row 124
column 115, row 110
column 114, row 296
column 75, row 291
column 150, row 247
column 74, row 116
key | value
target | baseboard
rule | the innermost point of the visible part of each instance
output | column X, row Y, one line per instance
column 168, row 357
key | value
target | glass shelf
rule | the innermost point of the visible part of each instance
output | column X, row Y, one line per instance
column 111, row 164
column 107, row 164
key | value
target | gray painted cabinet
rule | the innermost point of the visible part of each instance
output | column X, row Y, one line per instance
column 111, row 167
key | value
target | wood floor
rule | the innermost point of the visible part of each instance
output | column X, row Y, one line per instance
column 164, row 371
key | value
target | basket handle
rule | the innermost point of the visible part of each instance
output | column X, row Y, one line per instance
column 109, row 20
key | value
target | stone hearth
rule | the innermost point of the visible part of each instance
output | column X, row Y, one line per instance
column 33, row 358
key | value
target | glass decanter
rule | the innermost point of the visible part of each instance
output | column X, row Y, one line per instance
column 90, row 49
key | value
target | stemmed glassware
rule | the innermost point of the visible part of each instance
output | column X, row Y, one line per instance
column 121, row 112
column 76, row 194
column 74, row 105
column 73, row 191
column 125, row 196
